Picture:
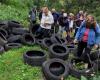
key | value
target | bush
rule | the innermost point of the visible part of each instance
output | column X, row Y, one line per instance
column 8, row 12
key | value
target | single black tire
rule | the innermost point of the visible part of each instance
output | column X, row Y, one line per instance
column 4, row 32
column 46, row 42
column 1, row 50
column 14, row 39
column 3, row 39
column 56, row 39
column 56, row 69
column 12, row 46
column 28, row 39
column 58, row 51
column 94, row 55
column 55, row 75
column 4, row 24
column 34, row 57
column 19, row 31
column 98, row 64
column 14, row 24
column 88, row 72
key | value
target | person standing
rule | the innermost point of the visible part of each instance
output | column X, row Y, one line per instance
column 63, row 22
column 79, row 19
column 55, row 26
column 71, row 22
column 55, row 15
column 87, row 36
column 32, row 15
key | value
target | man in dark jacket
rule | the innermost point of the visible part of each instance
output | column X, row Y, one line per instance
column 55, row 16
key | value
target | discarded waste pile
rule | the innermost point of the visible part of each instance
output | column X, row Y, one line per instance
column 56, row 62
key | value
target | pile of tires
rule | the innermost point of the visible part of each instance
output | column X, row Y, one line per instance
column 95, row 57
column 54, row 61
column 14, row 35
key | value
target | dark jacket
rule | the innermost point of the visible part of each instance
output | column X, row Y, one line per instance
column 55, row 16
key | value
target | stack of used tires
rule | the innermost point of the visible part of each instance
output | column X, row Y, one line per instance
column 95, row 57
column 14, row 35
column 55, row 61
column 87, row 70
column 59, row 65
column 55, row 68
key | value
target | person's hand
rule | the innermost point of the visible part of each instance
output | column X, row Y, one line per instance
column 45, row 24
column 75, row 40
column 62, row 78
column 95, row 46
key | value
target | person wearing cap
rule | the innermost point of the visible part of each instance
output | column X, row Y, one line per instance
column 55, row 14
column 63, row 22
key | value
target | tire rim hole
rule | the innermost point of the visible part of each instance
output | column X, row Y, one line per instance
column 35, row 53
column 59, row 49
column 29, row 39
column 13, row 45
column 57, row 65
column 48, row 42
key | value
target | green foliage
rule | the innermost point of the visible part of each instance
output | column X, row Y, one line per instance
column 83, row 78
column 93, row 78
column 12, row 13
column 18, row 9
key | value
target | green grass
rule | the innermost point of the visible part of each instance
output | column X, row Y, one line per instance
column 13, row 68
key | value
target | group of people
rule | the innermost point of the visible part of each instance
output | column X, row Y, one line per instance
column 84, row 26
